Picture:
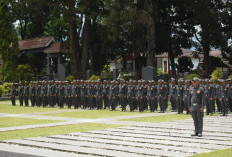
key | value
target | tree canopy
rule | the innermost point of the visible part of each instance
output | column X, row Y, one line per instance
column 8, row 43
column 98, row 31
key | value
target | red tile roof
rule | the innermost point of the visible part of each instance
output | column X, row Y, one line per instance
column 216, row 53
column 56, row 47
column 35, row 43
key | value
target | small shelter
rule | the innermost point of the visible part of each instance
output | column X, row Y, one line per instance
column 55, row 67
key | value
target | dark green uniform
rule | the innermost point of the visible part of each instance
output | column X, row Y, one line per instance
column 32, row 94
column 75, row 95
column 21, row 92
column 83, row 95
column 26, row 94
column 98, row 95
column 61, row 95
column 229, row 84
column 162, row 95
column 139, row 97
column 68, row 94
column 217, row 97
column 131, row 92
column 224, row 98
column 44, row 93
column 122, row 95
column 13, row 94
column 209, row 95
column 38, row 94
column 179, row 97
column 151, row 94
column 185, row 96
column 112, row 96
column 105, row 94
column 172, row 94
column 196, row 103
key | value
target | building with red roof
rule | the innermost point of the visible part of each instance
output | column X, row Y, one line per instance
column 196, row 57
column 52, row 49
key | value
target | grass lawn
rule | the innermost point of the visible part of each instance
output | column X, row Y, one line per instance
column 94, row 114
column 19, row 134
column 6, row 107
column 13, row 121
column 162, row 118
column 217, row 153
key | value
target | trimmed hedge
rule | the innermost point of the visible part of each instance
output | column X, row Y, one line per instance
column 1, row 90
column 191, row 76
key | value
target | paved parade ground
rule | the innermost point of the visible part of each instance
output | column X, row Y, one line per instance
column 111, row 135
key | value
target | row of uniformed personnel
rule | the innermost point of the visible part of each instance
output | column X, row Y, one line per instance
column 90, row 94
column 221, row 93
column 139, row 94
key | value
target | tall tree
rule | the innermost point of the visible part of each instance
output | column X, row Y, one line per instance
column 8, row 43
column 174, row 30
column 151, row 36
column 226, row 20
column 206, row 19
column 32, row 16
column 74, row 41
column 86, row 45
column 127, row 24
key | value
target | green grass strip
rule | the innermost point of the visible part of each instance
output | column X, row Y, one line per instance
column 36, row 132
column 162, row 118
column 94, row 114
column 217, row 153
column 15, row 121
column 6, row 107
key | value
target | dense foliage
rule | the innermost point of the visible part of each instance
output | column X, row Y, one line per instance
column 7, row 88
column 8, row 44
column 1, row 90
column 70, row 78
column 24, row 72
column 184, row 64
column 191, row 76
column 94, row 78
column 99, row 31
column 217, row 74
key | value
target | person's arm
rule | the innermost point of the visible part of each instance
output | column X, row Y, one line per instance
column 189, row 99
column 203, row 102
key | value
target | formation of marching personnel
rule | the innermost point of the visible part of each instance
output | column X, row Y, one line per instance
column 139, row 95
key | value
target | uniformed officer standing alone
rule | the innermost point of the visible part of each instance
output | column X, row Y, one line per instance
column 196, row 106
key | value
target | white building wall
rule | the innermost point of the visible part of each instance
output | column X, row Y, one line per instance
column 195, row 63
column 112, row 66
column 194, row 60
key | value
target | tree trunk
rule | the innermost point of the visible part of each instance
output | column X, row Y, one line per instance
column 151, row 41
column 96, row 54
column 149, row 7
column 206, row 50
column 124, row 62
column 86, row 45
column 75, row 63
column 207, row 63
column 138, row 67
column 171, row 58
